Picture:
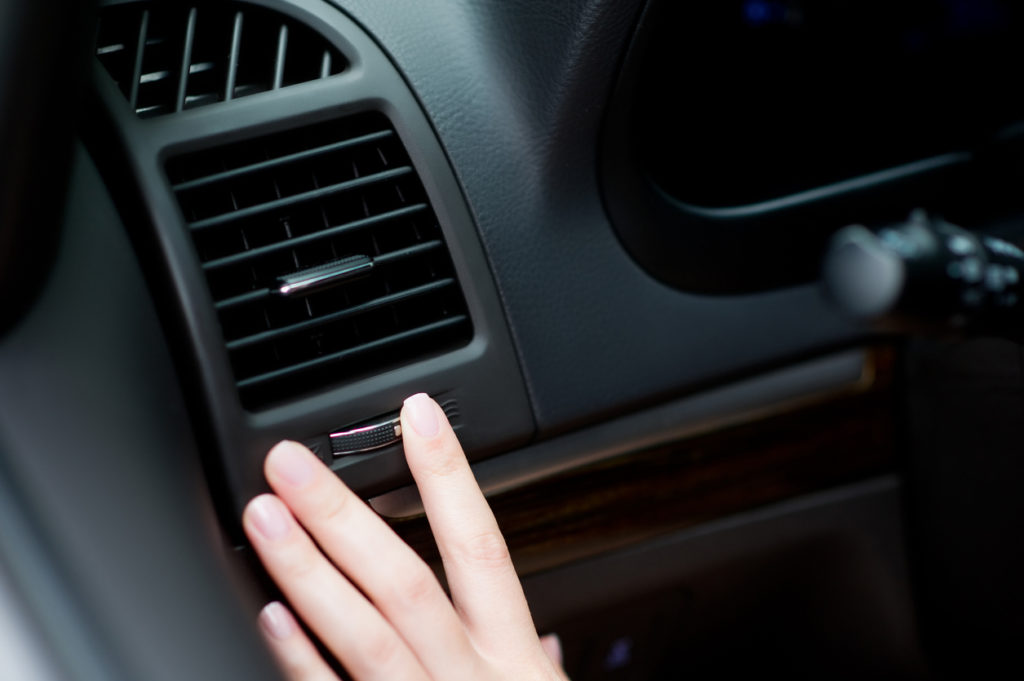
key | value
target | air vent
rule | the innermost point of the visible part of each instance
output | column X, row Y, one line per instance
column 169, row 56
column 323, row 256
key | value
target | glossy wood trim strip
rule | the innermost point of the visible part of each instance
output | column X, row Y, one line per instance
column 620, row 501
column 784, row 389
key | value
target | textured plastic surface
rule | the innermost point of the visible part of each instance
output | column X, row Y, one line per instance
column 97, row 441
column 517, row 93
column 45, row 633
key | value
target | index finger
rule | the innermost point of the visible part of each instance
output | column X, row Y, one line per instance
column 483, row 582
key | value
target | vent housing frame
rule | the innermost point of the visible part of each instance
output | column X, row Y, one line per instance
column 294, row 203
column 479, row 381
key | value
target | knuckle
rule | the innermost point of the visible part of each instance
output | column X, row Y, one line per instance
column 380, row 650
column 417, row 589
column 300, row 565
column 298, row 665
column 442, row 459
column 335, row 508
column 485, row 550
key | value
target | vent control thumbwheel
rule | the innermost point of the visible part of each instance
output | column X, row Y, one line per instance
column 366, row 438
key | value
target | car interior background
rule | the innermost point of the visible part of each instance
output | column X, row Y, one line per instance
column 720, row 299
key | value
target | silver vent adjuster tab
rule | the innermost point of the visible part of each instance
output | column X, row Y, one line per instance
column 366, row 438
column 324, row 276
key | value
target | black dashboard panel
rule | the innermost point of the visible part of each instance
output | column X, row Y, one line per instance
column 516, row 92
column 529, row 175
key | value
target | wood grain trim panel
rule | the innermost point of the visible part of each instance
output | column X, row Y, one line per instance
column 634, row 497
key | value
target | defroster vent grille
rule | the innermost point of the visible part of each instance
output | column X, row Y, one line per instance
column 167, row 56
column 323, row 256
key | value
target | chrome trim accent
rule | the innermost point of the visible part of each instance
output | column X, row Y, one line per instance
column 324, row 276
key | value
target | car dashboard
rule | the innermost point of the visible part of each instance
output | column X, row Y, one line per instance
column 593, row 231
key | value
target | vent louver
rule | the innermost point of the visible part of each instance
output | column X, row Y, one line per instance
column 170, row 56
column 323, row 256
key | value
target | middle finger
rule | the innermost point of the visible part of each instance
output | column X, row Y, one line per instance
column 363, row 546
column 350, row 626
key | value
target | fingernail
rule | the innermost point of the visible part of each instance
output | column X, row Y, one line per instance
column 268, row 517
column 276, row 621
column 552, row 645
column 292, row 463
column 422, row 415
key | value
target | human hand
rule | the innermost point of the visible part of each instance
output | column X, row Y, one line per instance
column 368, row 597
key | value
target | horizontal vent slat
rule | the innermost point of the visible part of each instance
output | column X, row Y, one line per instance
column 261, row 211
column 318, row 322
column 384, row 259
column 310, row 238
column 388, row 258
column 236, row 173
column 304, row 197
column 351, row 352
column 235, row 301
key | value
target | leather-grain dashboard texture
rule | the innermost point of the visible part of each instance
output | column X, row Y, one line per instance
column 520, row 121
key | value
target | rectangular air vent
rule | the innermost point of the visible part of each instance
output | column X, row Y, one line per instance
column 168, row 56
column 323, row 256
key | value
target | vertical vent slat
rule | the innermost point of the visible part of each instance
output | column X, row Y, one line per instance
column 297, row 204
column 281, row 55
column 186, row 59
column 236, row 42
column 140, row 51
column 172, row 49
